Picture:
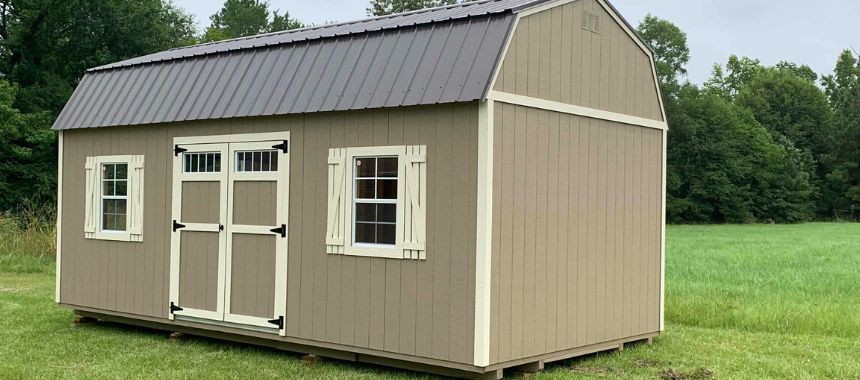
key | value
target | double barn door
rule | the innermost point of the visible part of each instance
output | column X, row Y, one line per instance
column 229, row 231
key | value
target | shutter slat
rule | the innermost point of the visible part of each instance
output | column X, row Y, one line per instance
column 336, row 193
column 415, row 170
column 91, row 198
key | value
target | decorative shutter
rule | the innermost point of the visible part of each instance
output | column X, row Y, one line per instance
column 336, row 201
column 135, row 199
column 415, row 178
column 91, row 201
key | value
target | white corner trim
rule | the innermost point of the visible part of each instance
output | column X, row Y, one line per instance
column 59, row 231
column 483, row 254
column 542, row 7
column 571, row 109
column 663, row 241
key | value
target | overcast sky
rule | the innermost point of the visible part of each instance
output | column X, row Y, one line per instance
column 803, row 31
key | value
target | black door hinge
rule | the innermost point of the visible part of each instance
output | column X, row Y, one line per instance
column 282, row 230
column 177, row 150
column 177, row 226
column 284, row 146
column 278, row 322
column 220, row 227
column 174, row 308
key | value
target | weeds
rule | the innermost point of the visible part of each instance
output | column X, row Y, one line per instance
column 28, row 240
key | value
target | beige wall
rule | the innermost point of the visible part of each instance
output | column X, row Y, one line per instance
column 552, row 58
column 576, row 232
column 420, row 308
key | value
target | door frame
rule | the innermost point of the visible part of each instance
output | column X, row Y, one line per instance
column 281, row 245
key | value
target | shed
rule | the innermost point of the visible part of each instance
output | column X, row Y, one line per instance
column 458, row 190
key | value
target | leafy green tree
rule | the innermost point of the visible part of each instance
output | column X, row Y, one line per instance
column 843, row 90
column 738, row 73
column 387, row 7
column 671, row 52
column 241, row 18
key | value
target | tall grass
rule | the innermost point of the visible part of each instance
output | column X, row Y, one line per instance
column 28, row 240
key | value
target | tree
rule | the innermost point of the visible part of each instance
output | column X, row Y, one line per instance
column 843, row 90
column 738, row 73
column 241, row 18
column 387, row 7
column 671, row 52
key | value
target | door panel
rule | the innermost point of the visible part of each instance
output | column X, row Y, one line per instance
column 198, row 278
column 229, row 244
column 252, row 277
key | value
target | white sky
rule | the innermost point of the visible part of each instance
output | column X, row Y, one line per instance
column 803, row 31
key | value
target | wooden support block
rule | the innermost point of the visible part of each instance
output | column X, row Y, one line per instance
column 649, row 341
column 492, row 375
column 81, row 320
column 621, row 346
column 175, row 336
column 529, row 368
column 311, row 359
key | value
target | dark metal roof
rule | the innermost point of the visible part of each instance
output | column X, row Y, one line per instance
column 440, row 55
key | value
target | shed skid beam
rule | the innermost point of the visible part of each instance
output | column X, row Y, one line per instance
column 82, row 320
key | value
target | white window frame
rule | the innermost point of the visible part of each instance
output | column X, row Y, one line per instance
column 101, row 233
column 394, row 251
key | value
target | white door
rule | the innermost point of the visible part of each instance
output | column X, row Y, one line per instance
column 229, row 240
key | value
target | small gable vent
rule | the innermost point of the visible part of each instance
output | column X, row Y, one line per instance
column 591, row 22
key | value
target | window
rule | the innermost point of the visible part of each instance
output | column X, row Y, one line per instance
column 376, row 202
column 201, row 162
column 257, row 161
column 114, row 198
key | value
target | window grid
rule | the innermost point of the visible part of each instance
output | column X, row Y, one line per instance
column 257, row 161
column 207, row 162
column 114, row 202
column 375, row 211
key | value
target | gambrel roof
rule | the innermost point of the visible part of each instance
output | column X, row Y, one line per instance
column 439, row 55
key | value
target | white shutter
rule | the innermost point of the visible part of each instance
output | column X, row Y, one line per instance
column 91, row 198
column 415, row 182
column 135, row 199
column 336, row 201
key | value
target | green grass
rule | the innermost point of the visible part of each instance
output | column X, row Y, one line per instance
column 743, row 302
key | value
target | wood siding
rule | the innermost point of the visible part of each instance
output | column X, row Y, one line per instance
column 253, row 275
column 253, row 203
column 576, row 232
column 198, row 282
column 418, row 308
column 552, row 57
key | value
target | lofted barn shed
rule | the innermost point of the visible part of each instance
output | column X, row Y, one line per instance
column 459, row 190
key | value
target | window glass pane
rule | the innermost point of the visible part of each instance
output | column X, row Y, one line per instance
column 387, row 167
column 365, row 212
column 385, row 234
column 386, row 189
column 121, row 188
column 365, row 167
column 216, row 165
column 274, row 165
column 387, row 213
column 258, row 160
column 249, row 162
column 364, row 189
column 107, row 171
column 266, row 165
column 187, row 159
column 121, row 171
column 107, row 221
column 120, row 222
column 120, row 205
column 365, row 233
column 107, row 188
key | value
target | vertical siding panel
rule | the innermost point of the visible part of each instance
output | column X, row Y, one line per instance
column 309, row 169
column 409, row 289
column 509, row 212
column 509, row 68
column 297, row 179
column 320, row 202
column 577, row 63
column 533, row 62
column 601, row 251
column 334, row 263
column 426, row 290
column 566, row 66
column 393, row 268
column 606, row 66
column 554, row 43
column 461, row 178
column 495, row 281
column 549, row 231
column 349, row 263
column 529, row 261
column 564, row 278
column 522, row 57
column 377, row 265
column 544, row 56
column 590, row 204
column 442, row 233
column 589, row 70
column 517, row 269
column 637, row 181
column 612, row 190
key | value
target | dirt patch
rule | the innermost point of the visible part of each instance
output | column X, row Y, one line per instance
column 589, row 369
column 13, row 290
column 646, row 363
column 699, row 374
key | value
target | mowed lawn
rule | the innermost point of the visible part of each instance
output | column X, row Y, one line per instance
column 743, row 302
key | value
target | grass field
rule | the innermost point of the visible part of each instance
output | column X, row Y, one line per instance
column 742, row 302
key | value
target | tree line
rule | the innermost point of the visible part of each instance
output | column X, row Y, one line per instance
column 755, row 143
